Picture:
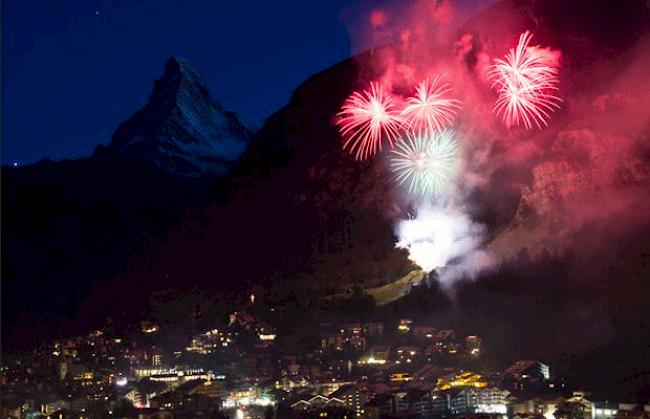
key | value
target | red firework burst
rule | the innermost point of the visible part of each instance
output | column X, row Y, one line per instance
column 367, row 119
column 526, row 81
column 430, row 110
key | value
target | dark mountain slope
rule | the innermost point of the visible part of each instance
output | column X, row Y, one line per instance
column 299, row 209
column 68, row 224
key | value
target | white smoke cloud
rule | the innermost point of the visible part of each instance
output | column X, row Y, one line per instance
column 441, row 235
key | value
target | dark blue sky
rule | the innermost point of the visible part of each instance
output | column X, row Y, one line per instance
column 72, row 70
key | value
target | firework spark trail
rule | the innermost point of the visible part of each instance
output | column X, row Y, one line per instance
column 367, row 119
column 526, row 81
column 430, row 109
column 425, row 163
column 409, row 162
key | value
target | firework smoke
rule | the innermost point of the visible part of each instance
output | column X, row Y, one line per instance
column 437, row 236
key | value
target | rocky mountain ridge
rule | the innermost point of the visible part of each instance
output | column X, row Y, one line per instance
column 182, row 129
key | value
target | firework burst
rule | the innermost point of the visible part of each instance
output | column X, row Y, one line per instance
column 366, row 120
column 430, row 109
column 526, row 81
column 425, row 163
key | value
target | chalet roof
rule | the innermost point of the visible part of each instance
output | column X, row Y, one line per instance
column 343, row 391
column 190, row 385
column 521, row 366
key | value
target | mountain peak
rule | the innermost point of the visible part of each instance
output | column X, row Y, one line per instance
column 179, row 67
column 179, row 81
column 176, row 65
column 181, row 128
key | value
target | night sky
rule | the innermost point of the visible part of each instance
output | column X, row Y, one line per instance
column 73, row 70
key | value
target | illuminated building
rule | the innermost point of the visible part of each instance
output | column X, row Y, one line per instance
column 440, row 403
column 156, row 359
column 412, row 403
column 400, row 377
column 633, row 411
column 536, row 406
column 70, row 350
column 209, row 388
column 266, row 333
column 317, row 402
column 189, row 397
column 461, row 379
column 575, row 407
column 63, row 369
column 356, row 341
column 369, row 360
column 290, row 383
column 473, row 345
column 86, row 378
column 350, row 334
column 12, row 407
column 50, row 407
column 351, row 329
column 527, row 375
column 333, row 342
column 165, row 377
column 148, row 327
column 425, row 332
column 473, row 400
column 80, row 373
column 604, row 411
column 407, row 354
column 172, row 375
column 404, row 325
column 147, row 372
column 379, row 353
column 195, row 374
column 329, row 386
column 210, row 341
column 353, row 398
column 529, row 370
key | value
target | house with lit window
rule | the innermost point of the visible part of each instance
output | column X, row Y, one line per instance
column 354, row 397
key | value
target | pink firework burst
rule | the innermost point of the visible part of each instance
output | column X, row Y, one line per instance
column 430, row 109
column 366, row 120
column 526, row 81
